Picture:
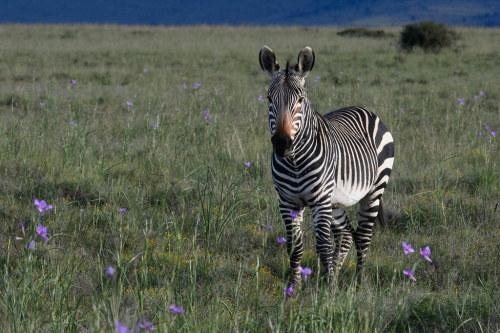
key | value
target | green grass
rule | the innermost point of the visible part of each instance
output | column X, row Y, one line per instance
column 228, row 271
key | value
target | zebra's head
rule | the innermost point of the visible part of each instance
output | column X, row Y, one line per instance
column 287, row 97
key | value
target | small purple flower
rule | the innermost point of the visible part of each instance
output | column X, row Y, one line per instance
column 155, row 127
column 219, row 91
column 479, row 134
column 486, row 126
column 196, row 85
column 42, row 232
column 22, row 226
column 31, row 245
column 68, row 96
column 110, row 271
column 281, row 240
column 129, row 103
column 401, row 110
column 410, row 274
column 481, row 93
column 119, row 88
column 42, row 104
column 176, row 309
column 457, row 71
column 145, row 70
column 40, row 89
column 475, row 96
column 58, row 92
column 461, row 100
column 316, row 79
column 146, row 325
column 73, row 82
column 42, row 205
column 247, row 164
column 294, row 215
column 341, row 73
column 122, row 329
column 289, row 291
column 270, row 228
column 261, row 98
column 23, row 89
column 493, row 133
column 123, row 210
column 184, row 86
column 305, row 272
column 426, row 253
column 72, row 123
column 407, row 248
column 313, row 87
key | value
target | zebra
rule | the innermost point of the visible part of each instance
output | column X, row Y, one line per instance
column 326, row 163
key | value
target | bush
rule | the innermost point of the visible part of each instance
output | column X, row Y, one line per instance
column 362, row 32
column 428, row 35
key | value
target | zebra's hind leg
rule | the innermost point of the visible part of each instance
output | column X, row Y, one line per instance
column 368, row 211
column 343, row 235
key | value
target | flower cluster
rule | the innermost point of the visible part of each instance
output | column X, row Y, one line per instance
column 487, row 129
column 207, row 116
column 425, row 253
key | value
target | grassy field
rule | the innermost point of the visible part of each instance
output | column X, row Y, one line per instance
column 143, row 157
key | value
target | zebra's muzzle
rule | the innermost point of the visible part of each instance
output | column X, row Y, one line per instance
column 282, row 145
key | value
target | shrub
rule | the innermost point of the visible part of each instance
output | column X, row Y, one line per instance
column 428, row 35
column 362, row 32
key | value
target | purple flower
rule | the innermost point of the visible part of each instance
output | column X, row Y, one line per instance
column 479, row 134
column 72, row 122
column 475, row 96
column 457, row 71
column 58, row 92
column 22, row 226
column 42, row 104
column 261, row 98
column 401, row 110
column 341, row 73
column 305, row 272
column 493, row 133
column 145, row 70
column 270, row 228
column 119, row 88
column 196, row 85
column 40, row 89
column 486, row 126
column 219, row 91
column 426, row 253
column 31, row 245
column 42, row 205
column 183, row 86
column 316, row 79
column 68, row 97
column 481, row 93
column 146, row 325
column 123, row 210
column 407, row 248
column 295, row 214
column 313, row 87
column 461, row 100
column 247, row 164
column 110, row 271
column 155, row 127
column 176, row 309
column 281, row 240
column 410, row 274
column 122, row 329
column 289, row 291
column 73, row 81
column 42, row 231
column 129, row 103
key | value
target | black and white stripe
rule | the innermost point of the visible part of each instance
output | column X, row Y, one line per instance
column 326, row 163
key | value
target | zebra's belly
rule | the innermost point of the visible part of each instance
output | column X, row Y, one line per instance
column 343, row 196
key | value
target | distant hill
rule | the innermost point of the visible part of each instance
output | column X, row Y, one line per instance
column 365, row 13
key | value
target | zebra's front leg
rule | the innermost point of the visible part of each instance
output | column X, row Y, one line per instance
column 322, row 217
column 292, row 216
column 368, row 211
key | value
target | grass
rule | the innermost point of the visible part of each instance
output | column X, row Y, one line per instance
column 200, row 228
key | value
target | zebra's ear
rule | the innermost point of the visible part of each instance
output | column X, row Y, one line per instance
column 267, row 61
column 305, row 62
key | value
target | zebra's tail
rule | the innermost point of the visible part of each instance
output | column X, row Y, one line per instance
column 380, row 215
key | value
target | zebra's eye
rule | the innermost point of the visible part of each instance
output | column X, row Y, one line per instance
column 301, row 99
